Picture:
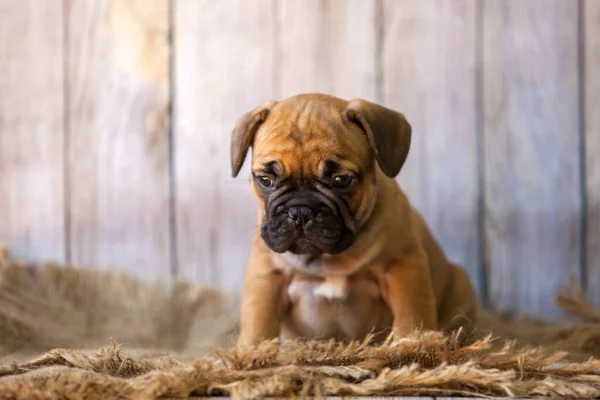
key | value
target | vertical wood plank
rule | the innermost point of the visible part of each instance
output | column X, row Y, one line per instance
column 224, row 57
column 591, row 80
column 32, row 129
column 531, row 134
column 428, row 66
column 327, row 46
column 119, row 135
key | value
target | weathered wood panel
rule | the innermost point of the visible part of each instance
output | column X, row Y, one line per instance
column 327, row 46
column 224, row 58
column 119, row 135
column 428, row 65
column 591, row 87
column 532, row 186
column 31, row 129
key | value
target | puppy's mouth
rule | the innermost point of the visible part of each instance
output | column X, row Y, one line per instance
column 308, row 223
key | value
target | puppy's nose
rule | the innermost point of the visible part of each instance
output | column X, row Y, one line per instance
column 300, row 214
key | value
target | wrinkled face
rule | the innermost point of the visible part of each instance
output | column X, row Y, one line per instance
column 314, row 174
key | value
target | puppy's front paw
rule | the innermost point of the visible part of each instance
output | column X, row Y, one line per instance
column 246, row 342
column 253, row 341
column 407, row 327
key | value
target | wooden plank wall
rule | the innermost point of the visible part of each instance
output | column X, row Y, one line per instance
column 32, row 129
column 590, row 79
column 118, row 134
column 115, row 118
column 531, row 146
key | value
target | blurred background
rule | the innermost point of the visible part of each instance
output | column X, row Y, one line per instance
column 115, row 121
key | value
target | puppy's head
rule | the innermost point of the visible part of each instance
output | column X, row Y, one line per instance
column 314, row 167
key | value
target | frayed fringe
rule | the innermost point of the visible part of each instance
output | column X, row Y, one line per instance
column 422, row 364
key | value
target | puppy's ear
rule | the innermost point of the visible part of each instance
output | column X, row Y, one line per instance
column 244, row 132
column 388, row 132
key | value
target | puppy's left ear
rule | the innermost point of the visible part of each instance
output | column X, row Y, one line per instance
column 244, row 132
column 388, row 132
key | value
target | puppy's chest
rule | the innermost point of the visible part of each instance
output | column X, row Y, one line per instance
column 339, row 289
column 341, row 307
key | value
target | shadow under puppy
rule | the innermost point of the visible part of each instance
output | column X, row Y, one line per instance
column 340, row 252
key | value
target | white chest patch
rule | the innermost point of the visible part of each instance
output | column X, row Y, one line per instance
column 333, row 287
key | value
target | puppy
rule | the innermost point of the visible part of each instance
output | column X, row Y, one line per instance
column 340, row 252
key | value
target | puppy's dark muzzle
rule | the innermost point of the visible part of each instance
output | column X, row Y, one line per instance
column 305, row 222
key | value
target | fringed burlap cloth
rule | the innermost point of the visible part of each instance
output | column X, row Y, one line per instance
column 68, row 333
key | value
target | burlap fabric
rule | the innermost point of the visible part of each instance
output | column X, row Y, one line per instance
column 71, row 333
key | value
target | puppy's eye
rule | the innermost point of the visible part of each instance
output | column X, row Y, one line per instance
column 342, row 181
column 265, row 181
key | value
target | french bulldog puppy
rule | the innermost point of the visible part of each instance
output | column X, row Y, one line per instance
column 339, row 252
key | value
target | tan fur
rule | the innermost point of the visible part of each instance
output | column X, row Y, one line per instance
column 395, row 276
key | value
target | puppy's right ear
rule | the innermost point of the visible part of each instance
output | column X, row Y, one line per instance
column 244, row 132
column 388, row 132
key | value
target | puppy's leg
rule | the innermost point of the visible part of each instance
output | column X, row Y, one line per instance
column 262, row 301
column 406, row 286
column 458, row 305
